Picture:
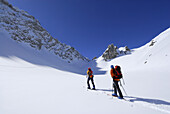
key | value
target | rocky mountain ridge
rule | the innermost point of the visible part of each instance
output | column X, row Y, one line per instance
column 24, row 28
column 113, row 51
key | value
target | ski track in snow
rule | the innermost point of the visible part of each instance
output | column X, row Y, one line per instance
column 155, row 104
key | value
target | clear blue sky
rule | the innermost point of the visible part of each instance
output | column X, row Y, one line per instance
column 91, row 25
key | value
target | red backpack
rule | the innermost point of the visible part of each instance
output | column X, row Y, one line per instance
column 118, row 72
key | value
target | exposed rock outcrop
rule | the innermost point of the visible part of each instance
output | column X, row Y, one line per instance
column 113, row 51
column 24, row 28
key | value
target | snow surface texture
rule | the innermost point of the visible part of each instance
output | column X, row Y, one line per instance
column 29, row 84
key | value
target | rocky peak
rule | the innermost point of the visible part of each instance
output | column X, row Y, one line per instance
column 24, row 28
column 113, row 51
column 110, row 52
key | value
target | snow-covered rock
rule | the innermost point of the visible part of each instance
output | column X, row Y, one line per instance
column 24, row 28
column 112, row 52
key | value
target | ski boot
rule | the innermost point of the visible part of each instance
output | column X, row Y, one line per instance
column 88, row 88
column 114, row 95
column 93, row 88
column 120, row 98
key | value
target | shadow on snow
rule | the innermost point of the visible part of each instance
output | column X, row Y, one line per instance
column 10, row 49
column 151, row 101
column 107, row 90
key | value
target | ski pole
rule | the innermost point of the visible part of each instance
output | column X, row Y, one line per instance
column 86, row 76
column 123, row 88
column 112, row 88
column 123, row 81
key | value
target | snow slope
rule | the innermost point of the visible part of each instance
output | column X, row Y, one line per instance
column 31, row 89
column 10, row 48
column 34, row 82
column 146, row 72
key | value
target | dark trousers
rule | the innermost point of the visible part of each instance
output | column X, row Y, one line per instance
column 92, row 81
column 117, row 88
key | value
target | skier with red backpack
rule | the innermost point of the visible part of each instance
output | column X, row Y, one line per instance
column 90, row 77
column 116, row 75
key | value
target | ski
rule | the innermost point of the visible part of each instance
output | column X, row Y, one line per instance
column 118, row 97
column 91, row 89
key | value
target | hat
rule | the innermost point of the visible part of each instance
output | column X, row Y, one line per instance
column 112, row 66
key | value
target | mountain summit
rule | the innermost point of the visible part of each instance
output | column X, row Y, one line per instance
column 24, row 28
column 113, row 51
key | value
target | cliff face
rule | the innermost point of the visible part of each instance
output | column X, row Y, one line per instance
column 24, row 28
column 112, row 52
